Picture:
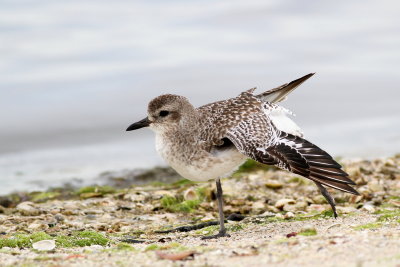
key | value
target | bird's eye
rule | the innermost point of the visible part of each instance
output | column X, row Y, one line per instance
column 164, row 113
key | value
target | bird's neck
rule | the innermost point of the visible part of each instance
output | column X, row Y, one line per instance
column 178, row 142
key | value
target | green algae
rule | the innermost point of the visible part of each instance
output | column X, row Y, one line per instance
column 373, row 225
column 152, row 247
column 95, row 191
column 388, row 215
column 82, row 239
column 125, row 247
column 209, row 230
column 23, row 240
column 201, row 193
column 327, row 214
column 174, row 204
column 183, row 182
column 178, row 204
column 78, row 239
column 44, row 196
column 213, row 229
column 251, row 166
column 235, row 227
column 282, row 240
column 308, row 232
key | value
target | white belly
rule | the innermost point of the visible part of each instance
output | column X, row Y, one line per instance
column 212, row 168
column 207, row 167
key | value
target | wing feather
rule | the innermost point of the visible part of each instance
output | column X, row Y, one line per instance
column 297, row 155
column 248, row 123
column 279, row 93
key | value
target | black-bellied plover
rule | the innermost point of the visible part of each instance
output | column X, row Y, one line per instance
column 212, row 141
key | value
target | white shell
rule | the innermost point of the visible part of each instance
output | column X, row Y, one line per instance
column 190, row 194
column 44, row 245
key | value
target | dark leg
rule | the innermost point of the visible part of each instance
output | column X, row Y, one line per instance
column 328, row 197
column 222, row 229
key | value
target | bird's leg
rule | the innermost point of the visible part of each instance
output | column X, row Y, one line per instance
column 328, row 197
column 222, row 229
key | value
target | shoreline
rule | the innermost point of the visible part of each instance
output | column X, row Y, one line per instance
column 46, row 167
column 125, row 177
column 280, row 220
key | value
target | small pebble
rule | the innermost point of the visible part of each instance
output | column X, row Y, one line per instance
column 28, row 208
column 37, row 226
column 235, row 217
column 292, row 234
column 93, row 212
column 91, row 217
column 258, row 205
column 282, row 202
column 274, row 184
column 52, row 224
column 59, row 217
column 316, row 207
column 290, row 207
column 96, row 247
column 288, row 215
column 368, row 207
column 165, row 239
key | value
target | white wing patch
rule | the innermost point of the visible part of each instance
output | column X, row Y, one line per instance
column 261, row 149
column 280, row 118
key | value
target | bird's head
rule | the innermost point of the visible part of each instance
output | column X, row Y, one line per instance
column 164, row 112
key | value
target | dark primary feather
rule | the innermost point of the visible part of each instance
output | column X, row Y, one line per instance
column 301, row 157
column 279, row 93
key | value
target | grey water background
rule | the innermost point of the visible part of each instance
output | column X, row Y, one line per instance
column 74, row 74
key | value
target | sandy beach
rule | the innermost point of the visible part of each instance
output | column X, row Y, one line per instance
column 274, row 218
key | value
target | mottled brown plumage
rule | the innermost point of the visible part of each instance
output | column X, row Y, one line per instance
column 211, row 141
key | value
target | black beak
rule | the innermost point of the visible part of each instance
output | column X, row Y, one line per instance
column 140, row 124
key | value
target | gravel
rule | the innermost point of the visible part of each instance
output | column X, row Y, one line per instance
column 271, row 211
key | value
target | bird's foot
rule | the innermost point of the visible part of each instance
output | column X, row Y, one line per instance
column 220, row 234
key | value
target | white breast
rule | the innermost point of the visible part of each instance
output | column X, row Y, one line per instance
column 206, row 167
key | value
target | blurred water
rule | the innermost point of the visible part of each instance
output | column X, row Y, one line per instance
column 74, row 74
column 77, row 165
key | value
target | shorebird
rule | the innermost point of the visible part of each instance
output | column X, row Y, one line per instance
column 212, row 141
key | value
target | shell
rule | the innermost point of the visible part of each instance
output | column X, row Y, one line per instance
column 44, row 245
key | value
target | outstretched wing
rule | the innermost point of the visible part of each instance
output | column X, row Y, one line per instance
column 279, row 93
column 278, row 114
column 289, row 152
column 222, row 115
